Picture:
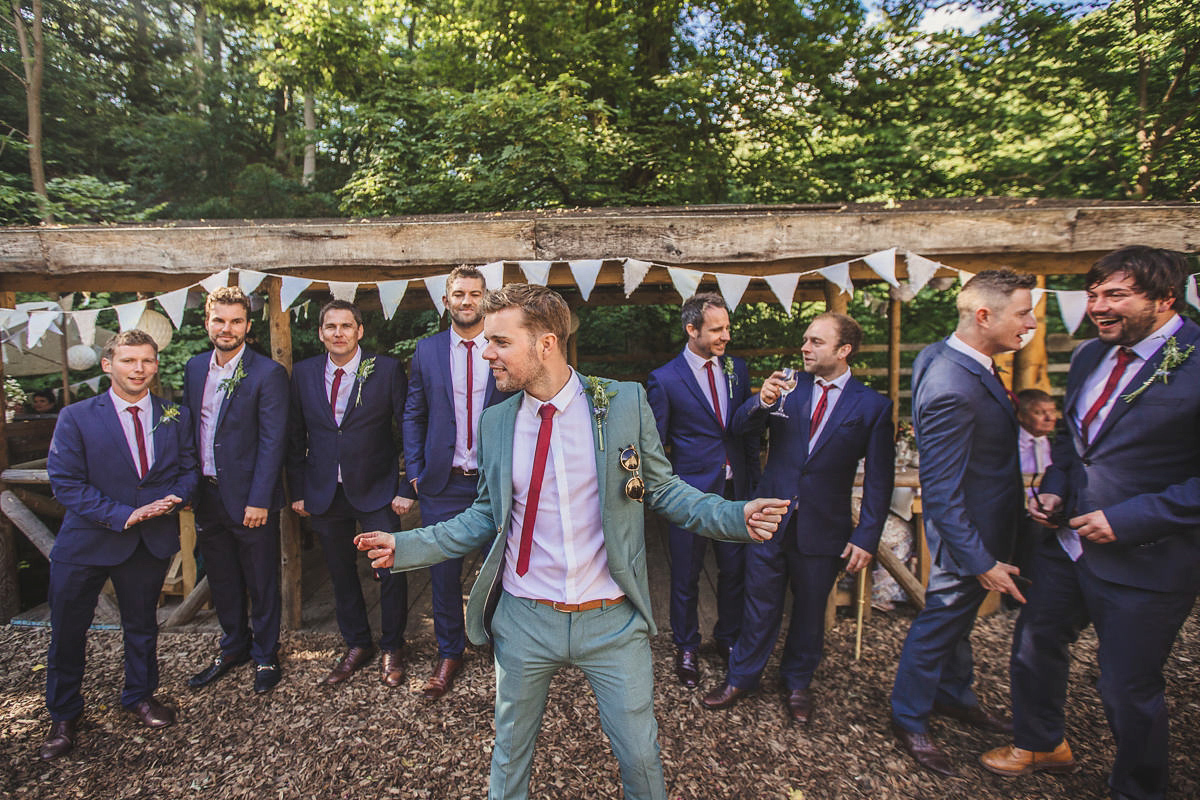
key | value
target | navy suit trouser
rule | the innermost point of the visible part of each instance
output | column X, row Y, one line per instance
column 240, row 563
column 446, row 578
column 687, row 551
column 335, row 528
column 73, row 592
column 1136, row 628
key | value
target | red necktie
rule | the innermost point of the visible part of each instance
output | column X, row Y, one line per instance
column 467, row 343
column 1124, row 356
column 1012, row 396
column 140, row 435
column 819, row 410
column 333, row 393
column 712, row 388
column 546, row 412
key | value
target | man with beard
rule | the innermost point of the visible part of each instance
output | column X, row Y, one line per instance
column 450, row 386
column 239, row 402
column 1122, row 505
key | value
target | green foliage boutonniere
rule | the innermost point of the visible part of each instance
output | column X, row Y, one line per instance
column 170, row 414
column 230, row 384
column 730, row 375
column 365, row 368
column 1171, row 359
column 598, row 389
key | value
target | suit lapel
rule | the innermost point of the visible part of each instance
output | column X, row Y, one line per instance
column 990, row 381
column 842, row 409
column 1089, row 358
column 799, row 404
column 158, row 435
column 506, row 426
column 445, row 368
column 601, row 457
column 355, row 390
column 683, row 371
column 228, row 396
column 112, row 423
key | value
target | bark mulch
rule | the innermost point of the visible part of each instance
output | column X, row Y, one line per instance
column 363, row 740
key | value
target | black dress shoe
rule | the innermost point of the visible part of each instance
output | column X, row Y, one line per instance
column 800, row 706
column 267, row 677
column 924, row 751
column 59, row 740
column 216, row 669
column 152, row 713
column 687, row 667
column 975, row 716
column 723, row 696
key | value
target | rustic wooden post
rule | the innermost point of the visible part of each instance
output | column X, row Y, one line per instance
column 894, row 311
column 10, row 591
column 835, row 299
column 1031, row 363
column 290, row 577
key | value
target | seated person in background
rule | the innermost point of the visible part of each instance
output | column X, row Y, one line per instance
column 1037, row 415
column 43, row 401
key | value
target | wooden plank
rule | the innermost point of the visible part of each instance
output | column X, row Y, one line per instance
column 38, row 476
column 192, row 603
column 912, row 586
column 40, row 504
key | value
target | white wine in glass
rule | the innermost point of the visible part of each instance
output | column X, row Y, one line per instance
column 789, row 383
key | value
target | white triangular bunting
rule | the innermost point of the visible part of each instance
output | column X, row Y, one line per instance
column 215, row 281
column 67, row 301
column 493, row 275
column 390, row 295
column 85, row 323
column 39, row 323
column 343, row 290
column 920, row 271
column 1072, row 306
column 249, row 280
column 839, row 276
column 685, row 280
column 173, row 303
column 436, row 286
column 11, row 318
column 784, row 287
column 732, row 288
column 1037, row 294
column 964, row 276
column 129, row 314
column 1193, row 296
column 536, row 271
column 634, row 272
column 290, row 288
column 585, row 272
column 883, row 264
column 94, row 384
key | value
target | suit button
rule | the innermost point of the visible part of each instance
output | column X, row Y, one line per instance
column 1087, row 462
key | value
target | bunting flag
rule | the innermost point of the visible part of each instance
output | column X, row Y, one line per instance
column 290, row 288
column 839, row 276
column 686, row 281
column 784, row 287
column 493, row 275
column 436, row 286
column 11, row 318
column 85, row 323
column 634, row 272
column 883, row 264
column 173, row 303
column 249, row 280
column 964, row 276
column 1072, row 306
column 39, row 323
column 585, row 272
column 343, row 290
column 732, row 288
column 215, row 281
column 1192, row 296
column 66, row 301
column 536, row 271
column 1037, row 293
column 390, row 295
column 129, row 314
column 920, row 270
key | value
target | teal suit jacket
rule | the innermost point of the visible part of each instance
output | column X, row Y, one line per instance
column 628, row 421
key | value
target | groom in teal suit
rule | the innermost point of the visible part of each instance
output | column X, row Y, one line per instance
column 563, row 466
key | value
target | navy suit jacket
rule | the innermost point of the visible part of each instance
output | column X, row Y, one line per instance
column 860, row 426
column 966, row 431
column 1142, row 469
column 699, row 446
column 363, row 445
column 429, row 426
column 93, row 475
column 251, row 437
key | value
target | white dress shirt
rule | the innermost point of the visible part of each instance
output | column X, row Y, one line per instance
column 145, row 414
column 831, row 400
column 465, row 457
column 720, row 379
column 210, row 408
column 981, row 359
column 568, row 562
column 1034, row 451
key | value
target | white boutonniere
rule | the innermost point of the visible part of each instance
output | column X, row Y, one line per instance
column 598, row 389
column 228, row 385
column 365, row 368
column 1172, row 358
column 730, row 375
column 170, row 414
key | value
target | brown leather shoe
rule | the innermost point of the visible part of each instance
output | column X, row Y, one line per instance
column 975, row 716
column 924, row 751
column 59, row 740
column 350, row 662
column 442, row 678
column 723, row 696
column 1011, row 761
column 152, row 713
column 391, row 670
column 800, row 706
column 687, row 667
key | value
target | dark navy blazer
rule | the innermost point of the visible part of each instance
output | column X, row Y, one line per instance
column 1142, row 469
column 251, row 437
column 686, row 422
column 363, row 445
column 92, row 473
column 859, row 426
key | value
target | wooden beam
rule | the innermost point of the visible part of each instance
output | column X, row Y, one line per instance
column 10, row 588
column 894, row 311
column 290, row 572
column 190, row 604
column 836, row 300
column 1031, row 362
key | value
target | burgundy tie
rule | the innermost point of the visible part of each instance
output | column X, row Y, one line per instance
column 333, row 393
column 819, row 410
column 1124, row 356
column 712, row 388
column 467, row 343
column 546, row 412
column 140, row 435
column 1012, row 396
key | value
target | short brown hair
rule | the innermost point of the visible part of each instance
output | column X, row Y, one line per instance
column 1157, row 273
column 986, row 288
column 340, row 305
column 134, row 337
column 848, row 330
column 692, row 312
column 545, row 310
column 226, row 296
column 465, row 271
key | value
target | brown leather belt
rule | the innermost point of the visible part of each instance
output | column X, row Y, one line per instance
column 466, row 473
column 590, row 605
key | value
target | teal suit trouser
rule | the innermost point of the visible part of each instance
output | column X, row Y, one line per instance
column 612, row 648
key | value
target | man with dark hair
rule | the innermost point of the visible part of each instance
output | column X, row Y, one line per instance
column 343, row 470
column 693, row 397
column 563, row 467
column 1121, row 503
column 120, row 463
column 832, row 421
column 450, row 386
column 239, row 404
column 966, row 430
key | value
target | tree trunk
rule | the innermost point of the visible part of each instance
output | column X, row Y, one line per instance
column 199, row 24
column 310, row 138
column 34, row 60
column 279, row 124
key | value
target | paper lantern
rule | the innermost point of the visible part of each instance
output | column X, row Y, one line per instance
column 81, row 357
column 158, row 326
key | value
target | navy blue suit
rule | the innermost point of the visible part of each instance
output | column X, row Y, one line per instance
column 807, row 552
column 966, row 430
column 363, row 447
column 700, row 446
column 250, row 443
column 1142, row 469
column 430, row 431
column 93, row 474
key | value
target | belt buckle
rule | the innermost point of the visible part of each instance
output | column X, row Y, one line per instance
column 556, row 606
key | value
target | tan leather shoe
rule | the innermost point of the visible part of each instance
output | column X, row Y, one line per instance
column 442, row 678
column 350, row 662
column 1012, row 761
column 391, row 670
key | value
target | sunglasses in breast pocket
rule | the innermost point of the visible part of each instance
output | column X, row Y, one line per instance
column 635, row 487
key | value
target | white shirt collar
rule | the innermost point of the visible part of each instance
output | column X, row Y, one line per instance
column 456, row 339
column 350, row 367
column 571, row 389
column 958, row 344
column 230, row 365
column 145, row 406
column 1147, row 347
column 697, row 361
column 840, row 381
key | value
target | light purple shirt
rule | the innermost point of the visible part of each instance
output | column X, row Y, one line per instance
column 210, row 408
column 145, row 414
column 466, row 458
column 835, row 394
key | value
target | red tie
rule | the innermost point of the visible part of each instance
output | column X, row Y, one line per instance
column 467, row 343
column 333, row 393
column 140, row 435
column 546, row 412
column 1012, row 396
column 1124, row 356
column 819, row 410
column 712, row 388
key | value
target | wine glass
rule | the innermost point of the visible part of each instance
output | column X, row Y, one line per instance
column 789, row 383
